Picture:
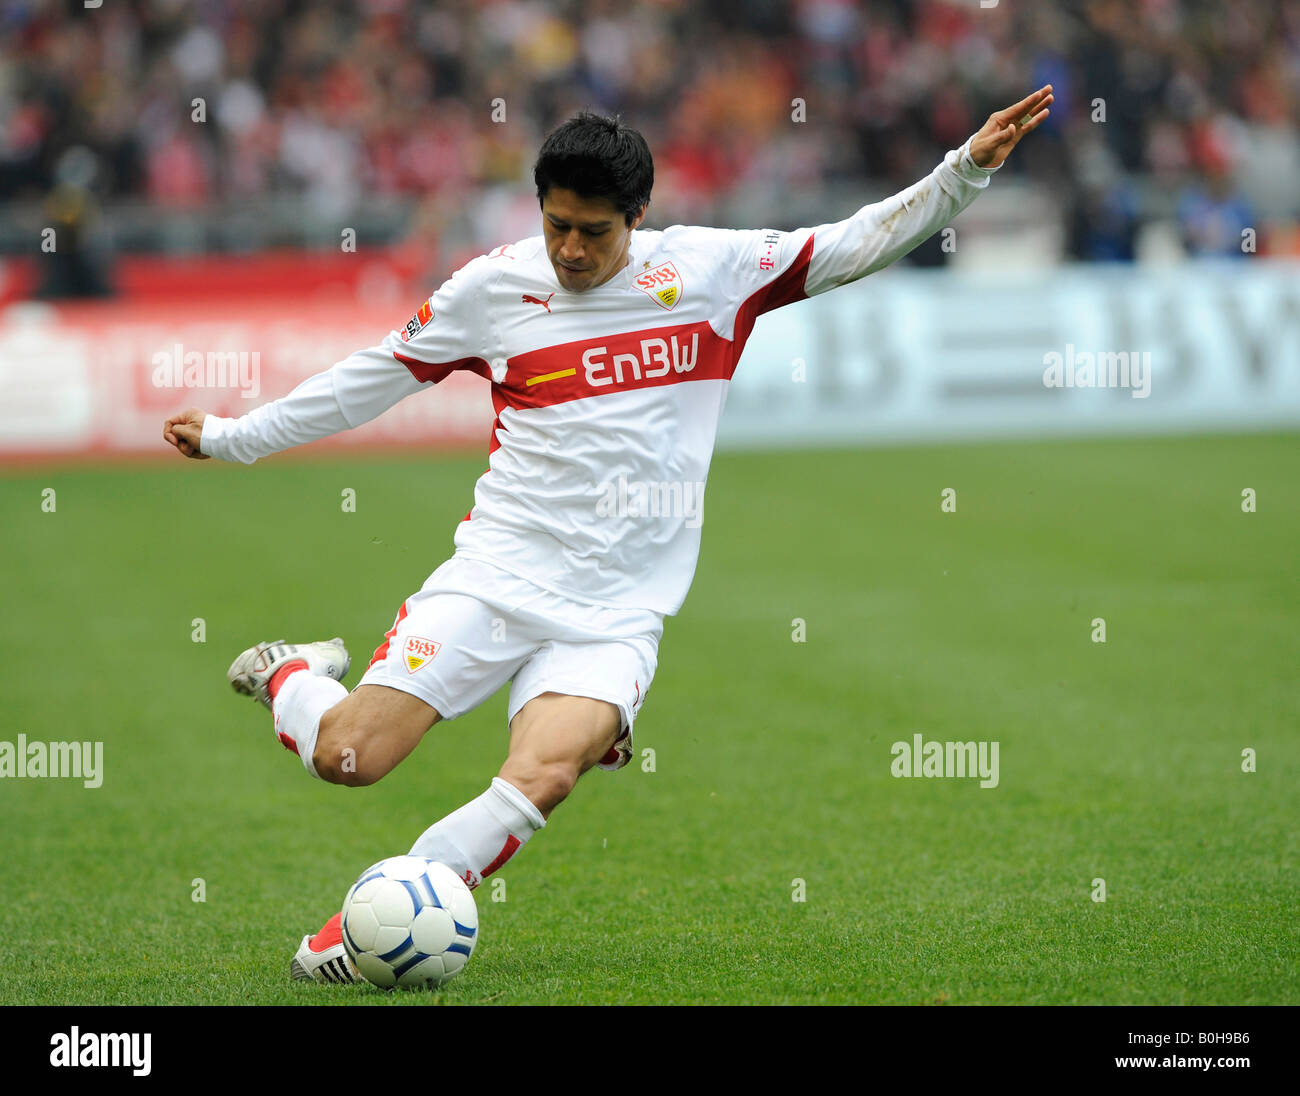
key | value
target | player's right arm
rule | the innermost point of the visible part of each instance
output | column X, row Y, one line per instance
column 445, row 335
column 361, row 387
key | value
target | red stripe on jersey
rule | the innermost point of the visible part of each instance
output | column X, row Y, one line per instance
column 648, row 358
column 507, row 851
column 440, row 371
column 780, row 291
column 381, row 652
column 636, row 359
column 499, row 404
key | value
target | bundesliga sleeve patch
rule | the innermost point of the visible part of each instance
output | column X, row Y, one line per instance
column 419, row 321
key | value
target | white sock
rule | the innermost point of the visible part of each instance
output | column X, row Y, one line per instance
column 303, row 698
column 483, row 834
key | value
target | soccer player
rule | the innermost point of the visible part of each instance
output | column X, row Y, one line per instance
column 609, row 349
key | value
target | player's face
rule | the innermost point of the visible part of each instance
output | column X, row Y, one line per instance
column 586, row 238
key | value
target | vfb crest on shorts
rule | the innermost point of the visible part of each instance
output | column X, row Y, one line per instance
column 416, row 652
column 662, row 284
column 418, row 322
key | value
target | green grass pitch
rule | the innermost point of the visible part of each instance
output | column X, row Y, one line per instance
column 1120, row 761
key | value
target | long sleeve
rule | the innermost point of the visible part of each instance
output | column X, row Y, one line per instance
column 361, row 387
column 446, row 334
column 885, row 231
column 764, row 269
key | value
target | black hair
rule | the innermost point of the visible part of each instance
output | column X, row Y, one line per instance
column 597, row 157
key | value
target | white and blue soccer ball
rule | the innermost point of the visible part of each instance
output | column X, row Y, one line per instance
column 409, row 922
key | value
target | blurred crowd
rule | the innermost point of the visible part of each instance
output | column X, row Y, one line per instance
column 1186, row 108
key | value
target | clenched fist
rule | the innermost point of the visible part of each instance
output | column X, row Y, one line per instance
column 184, row 431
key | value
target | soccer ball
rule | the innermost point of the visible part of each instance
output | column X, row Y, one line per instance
column 409, row 922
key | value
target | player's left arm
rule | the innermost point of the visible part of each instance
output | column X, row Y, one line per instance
column 992, row 144
column 882, row 233
column 766, row 269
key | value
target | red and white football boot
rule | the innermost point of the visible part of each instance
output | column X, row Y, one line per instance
column 323, row 958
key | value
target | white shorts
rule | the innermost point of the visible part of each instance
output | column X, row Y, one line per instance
column 473, row 627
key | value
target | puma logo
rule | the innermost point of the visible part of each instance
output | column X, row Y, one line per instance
column 528, row 298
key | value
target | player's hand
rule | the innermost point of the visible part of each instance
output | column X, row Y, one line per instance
column 1002, row 132
column 184, row 431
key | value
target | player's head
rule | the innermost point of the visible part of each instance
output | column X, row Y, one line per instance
column 594, row 177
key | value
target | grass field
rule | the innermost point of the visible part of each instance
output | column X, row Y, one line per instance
column 1120, row 761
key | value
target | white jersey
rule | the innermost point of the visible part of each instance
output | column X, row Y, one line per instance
column 607, row 400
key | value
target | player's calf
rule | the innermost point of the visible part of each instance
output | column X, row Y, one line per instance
column 554, row 739
column 367, row 734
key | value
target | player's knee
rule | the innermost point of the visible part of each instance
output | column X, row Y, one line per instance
column 344, row 767
column 342, row 771
column 546, row 784
column 557, row 782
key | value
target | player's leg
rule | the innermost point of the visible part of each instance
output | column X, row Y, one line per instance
column 364, row 736
column 298, row 682
column 572, row 705
column 554, row 739
column 445, row 654
column 344, row 738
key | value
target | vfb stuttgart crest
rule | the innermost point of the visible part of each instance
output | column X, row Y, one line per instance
column 418, row 651
column 662, row 284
